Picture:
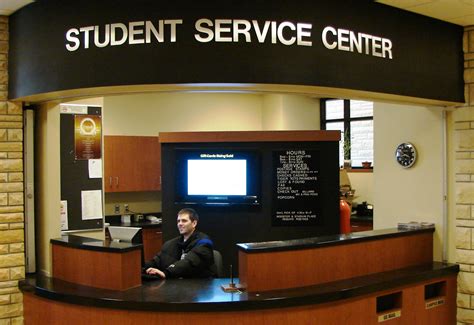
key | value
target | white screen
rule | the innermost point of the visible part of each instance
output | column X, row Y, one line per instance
column 217, row 177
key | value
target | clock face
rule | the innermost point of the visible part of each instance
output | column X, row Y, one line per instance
column 405, row 154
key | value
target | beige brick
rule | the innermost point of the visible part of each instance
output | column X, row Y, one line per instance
column 463, row 177
column 463, row 237
column 15, row 135
column 468, row 75
column 465, row 193
column 463, row 114
column 11, row 310
column 11, row 236
column 11, row 146
column 16, row 297
column 3, row 177
column 3, row 134
column 11, row 209
column 12, row 217
column 17, row 320
column 463, row 155
column 462, row 125
column 471, row 90
column 9, row 260
column 4, row 249
column 3, row 94
column 15, row 177
column 11, row 125
column 17, row 198
column 465, row 166
column 15, row 155
column 11, row 118
column 468, row 223
column 9, row 290
column 466, row 282
column 14, row 108
column 11, row 165
column 8, row 321
column 4, row 226
column 462, row 212
column 3, row 155
column 4, row 274
column 17, row 273
column 17, row 247
column 19, row 225
column 4, row 299
column 464, row 140
column 465, row 315
column 465, row 256
column 11, row 187
column 463, row 300
column 3, row 199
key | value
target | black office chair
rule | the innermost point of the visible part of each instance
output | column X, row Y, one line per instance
column 219, row 268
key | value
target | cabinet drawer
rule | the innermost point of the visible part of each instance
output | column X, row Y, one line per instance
column 152, row 241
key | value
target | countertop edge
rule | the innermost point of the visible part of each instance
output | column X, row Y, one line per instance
column 349, row 288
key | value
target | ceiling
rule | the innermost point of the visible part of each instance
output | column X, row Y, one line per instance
column 460, row 12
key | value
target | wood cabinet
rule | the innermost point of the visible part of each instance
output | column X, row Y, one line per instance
column 152, row 240
column 132, row 164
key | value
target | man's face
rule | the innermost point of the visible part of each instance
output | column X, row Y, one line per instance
column 185, row 225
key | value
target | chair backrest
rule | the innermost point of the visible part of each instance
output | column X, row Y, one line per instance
column 218, row 264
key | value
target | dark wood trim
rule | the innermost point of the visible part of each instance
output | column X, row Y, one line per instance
column 249, row 136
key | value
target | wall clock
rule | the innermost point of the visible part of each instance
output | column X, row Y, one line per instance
column 405, row 154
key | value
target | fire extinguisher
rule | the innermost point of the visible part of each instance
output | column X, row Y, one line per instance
column 345, row 216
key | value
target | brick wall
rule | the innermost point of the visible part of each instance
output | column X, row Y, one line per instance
column 12, row 259
column 464, row 168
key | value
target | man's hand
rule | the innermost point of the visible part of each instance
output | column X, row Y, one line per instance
column 153, row 271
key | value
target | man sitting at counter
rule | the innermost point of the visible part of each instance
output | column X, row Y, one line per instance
column 188, row 255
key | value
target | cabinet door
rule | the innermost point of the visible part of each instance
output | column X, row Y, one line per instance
column 132, row 164
column 152, row 240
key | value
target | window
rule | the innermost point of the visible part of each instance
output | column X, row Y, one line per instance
column 355, row 120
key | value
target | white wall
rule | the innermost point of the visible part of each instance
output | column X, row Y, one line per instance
column 414, row 194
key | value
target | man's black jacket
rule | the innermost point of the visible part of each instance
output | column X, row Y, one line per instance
column 193, row 258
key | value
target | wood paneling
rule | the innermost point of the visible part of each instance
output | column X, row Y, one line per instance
column 249, row 136
column 298, row 268
column 106, row 270
column 132, row 163
column 152, row 241
column 360, row 310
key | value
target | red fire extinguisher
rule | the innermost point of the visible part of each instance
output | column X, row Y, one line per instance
column 345, row 217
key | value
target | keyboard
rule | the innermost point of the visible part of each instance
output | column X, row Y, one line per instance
column 151, row 277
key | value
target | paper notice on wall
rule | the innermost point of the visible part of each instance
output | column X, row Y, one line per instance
column 91, row 204
column 64, row 225
column 95, row 168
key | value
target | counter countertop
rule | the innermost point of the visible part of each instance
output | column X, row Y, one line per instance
column 186, row 295
column 95, row 244
column 142, row 224
column 339, row 239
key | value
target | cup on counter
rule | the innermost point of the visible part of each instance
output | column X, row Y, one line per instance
column 138, row 218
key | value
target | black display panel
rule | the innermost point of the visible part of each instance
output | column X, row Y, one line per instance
column 217, row 176
column 296, row 193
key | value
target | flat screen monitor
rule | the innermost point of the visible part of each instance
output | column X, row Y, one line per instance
column 218, row 176
column 123, row 234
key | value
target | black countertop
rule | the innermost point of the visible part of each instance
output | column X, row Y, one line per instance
column 95, row 244
column 201, row 295
column 314, row 242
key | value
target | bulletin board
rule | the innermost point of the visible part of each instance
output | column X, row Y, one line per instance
column 81, row 171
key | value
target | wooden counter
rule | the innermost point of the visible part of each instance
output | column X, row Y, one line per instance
column 97, row 263
column 310, row 261
column 201, row 301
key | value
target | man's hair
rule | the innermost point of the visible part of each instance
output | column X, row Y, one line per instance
column 193, row 215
